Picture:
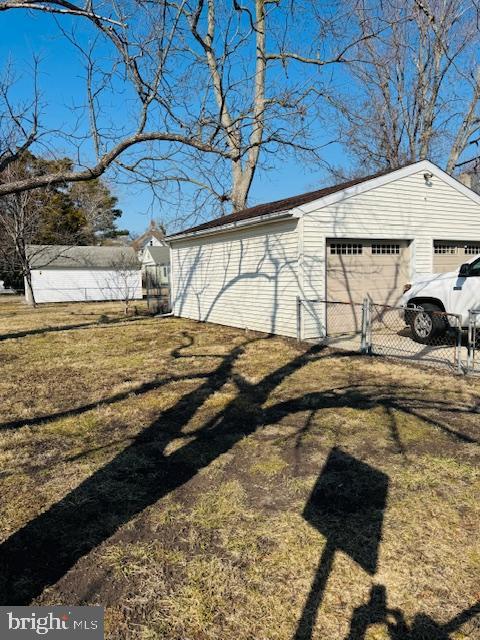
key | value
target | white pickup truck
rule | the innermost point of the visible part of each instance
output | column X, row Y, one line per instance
column 454, row 292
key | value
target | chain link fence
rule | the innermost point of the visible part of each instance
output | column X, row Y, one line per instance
column 473, row 342
column 432, row 338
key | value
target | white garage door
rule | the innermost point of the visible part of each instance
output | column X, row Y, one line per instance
column 377, row 269
column 244, row 279
column 448, row 255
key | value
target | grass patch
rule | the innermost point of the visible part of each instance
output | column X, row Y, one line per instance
column 270, row 466
column 163, row 469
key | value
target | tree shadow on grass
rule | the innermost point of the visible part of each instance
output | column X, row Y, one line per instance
column 68, row 327
column 144, row 387
column 140, row 389
column 41, row 552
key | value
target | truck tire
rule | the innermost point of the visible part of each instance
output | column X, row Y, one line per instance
column 426, row 325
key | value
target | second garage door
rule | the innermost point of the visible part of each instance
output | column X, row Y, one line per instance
column 449, row 255
column 377, row 269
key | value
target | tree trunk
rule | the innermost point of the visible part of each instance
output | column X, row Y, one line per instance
column 240, row 187
column 29, row 295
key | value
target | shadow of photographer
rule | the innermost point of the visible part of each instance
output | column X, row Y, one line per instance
column 346, row 506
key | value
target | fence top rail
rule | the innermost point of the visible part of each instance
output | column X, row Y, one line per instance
column 322, row 300
column 390, row 307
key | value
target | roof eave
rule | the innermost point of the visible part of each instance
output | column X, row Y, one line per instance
column 392, row 176
column 241, row 224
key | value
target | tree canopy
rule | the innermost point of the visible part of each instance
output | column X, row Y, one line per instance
column 61, row 214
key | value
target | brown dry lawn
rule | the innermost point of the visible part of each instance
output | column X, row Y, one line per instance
column 190, row 477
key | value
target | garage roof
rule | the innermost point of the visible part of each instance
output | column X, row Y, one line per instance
column 73, row 257
column 277, row 207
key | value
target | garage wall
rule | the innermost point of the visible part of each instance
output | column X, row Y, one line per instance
column 407, row 208
column 245, row 279
column 69, row 285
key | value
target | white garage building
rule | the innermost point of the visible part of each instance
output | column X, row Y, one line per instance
column 366, row 237
column 72, row 273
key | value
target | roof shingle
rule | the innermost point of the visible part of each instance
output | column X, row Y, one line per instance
column 81, row 257
column 278, row 205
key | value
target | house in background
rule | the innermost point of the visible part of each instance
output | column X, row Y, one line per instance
column 154, row 236
column 87, row 273
column 272, row 267
column 4, row 290
column 156, row 260
column 156, row 278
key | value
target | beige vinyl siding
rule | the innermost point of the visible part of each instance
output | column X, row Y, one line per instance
column 245, row 279
column 406, row 209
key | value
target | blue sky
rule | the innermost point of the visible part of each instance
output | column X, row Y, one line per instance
column 23, row 35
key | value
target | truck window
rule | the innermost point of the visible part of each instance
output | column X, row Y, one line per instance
column 475, row 269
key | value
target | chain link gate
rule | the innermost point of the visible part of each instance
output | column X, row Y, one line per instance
column 374, row 329
column 473, row 363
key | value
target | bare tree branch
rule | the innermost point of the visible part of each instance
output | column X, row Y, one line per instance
column 61, row 7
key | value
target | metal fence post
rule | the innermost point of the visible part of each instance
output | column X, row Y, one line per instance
column 459, row 346
column 471, row 341
column 299, row 319
column 366, row 339
column 363, row 339
column 369, row 327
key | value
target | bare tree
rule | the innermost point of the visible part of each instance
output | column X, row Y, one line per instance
column 19, row 220
column 125, row 279
column 19, row 119
column 210, row 89
column 257, row 81
column 415, row 89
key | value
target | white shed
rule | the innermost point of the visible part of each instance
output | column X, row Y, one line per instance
column 366, row 237
column 72, row 273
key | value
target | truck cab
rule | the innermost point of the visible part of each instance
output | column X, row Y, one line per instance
column 455, row 292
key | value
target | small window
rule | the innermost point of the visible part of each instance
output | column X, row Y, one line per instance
column 472, row 249
column 385, row 248
column 446, row 249
column 346, row 249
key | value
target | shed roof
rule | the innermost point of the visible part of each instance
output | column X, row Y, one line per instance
column 75, row 257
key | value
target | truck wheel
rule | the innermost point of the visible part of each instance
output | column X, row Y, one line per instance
column 426, row 324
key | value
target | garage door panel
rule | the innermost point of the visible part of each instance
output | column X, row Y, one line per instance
column 378, row 270
column 365, row 260
column 448, row 255
column 358, row 273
